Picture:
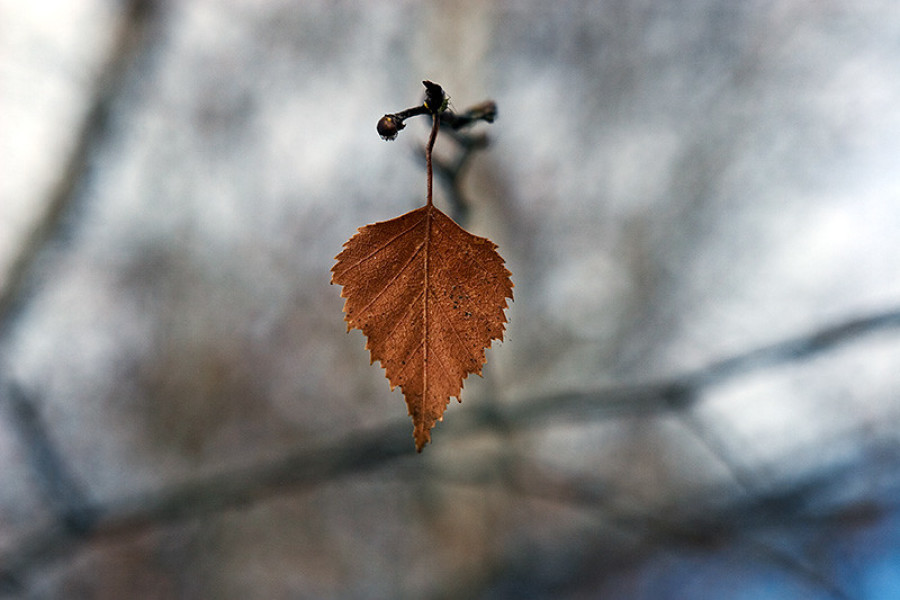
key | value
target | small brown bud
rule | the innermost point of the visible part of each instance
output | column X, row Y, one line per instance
column 389, row 126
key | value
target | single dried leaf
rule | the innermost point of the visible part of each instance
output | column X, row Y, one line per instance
column 429, row 296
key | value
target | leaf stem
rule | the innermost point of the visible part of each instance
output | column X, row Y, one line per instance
column 436, row 123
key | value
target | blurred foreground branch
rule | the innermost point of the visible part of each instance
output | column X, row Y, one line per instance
column 361, row 451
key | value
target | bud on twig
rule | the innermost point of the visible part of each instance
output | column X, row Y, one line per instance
column 436, row 103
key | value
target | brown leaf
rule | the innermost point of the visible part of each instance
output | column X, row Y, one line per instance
column 430, row 297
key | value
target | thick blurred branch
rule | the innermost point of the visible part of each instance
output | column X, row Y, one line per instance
column 360, row 451
column 129, row 517
column 130, row 42
column 59, row 487
column 682, row 391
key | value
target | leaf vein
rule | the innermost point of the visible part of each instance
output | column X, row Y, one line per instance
column 391, row 281
column 496, row 284
column 396, row 324
column 453, row 328
column 384, row 245
column 405, row 363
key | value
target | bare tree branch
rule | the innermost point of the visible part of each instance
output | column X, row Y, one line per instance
column 683, row 391
column 130, row 42
column 361, row 451
column 62, row 492
column 645, row 532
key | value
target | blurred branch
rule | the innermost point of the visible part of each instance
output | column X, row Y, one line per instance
column 357, row 452
column 692, row 526
column 130, row 517
column 59, row 486
column 683, row 391
column 451, row 172
column 129, row 43
column 746, row 478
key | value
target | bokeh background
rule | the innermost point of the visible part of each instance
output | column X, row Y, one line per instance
column 698, row 395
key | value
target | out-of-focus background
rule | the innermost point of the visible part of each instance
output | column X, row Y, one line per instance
column 699, row 391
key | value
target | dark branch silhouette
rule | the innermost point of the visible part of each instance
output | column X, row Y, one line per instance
column 62, row 492
column 361, row 451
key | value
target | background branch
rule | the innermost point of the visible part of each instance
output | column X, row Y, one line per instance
column 130, row 42
column 361, row 451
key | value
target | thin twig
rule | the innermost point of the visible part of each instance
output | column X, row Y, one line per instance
column 451, row 172
column 740, row 473
column 436, row 123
